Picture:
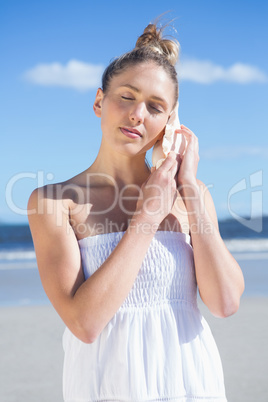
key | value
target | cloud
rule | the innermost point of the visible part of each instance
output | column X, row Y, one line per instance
column 206, row 72
column 85, row 76
column 75, row 74
column 232, row 152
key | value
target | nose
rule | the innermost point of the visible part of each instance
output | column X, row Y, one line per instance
column 137, row 114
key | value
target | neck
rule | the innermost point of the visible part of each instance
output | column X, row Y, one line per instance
column 124, row 169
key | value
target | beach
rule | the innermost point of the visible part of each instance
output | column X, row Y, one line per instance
column 31, row 332
column 32, row 356
column 242, row 342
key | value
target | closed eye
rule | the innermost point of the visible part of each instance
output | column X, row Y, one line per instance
column 156, row 109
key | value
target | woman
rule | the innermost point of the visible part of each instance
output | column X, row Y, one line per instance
column 121, row 250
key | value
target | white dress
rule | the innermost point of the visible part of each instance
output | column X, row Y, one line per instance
column 157, row 347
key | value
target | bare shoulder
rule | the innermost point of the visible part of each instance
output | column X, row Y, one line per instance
column 53, row 199
column 48, row 213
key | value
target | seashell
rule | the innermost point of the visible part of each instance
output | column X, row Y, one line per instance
column 170, row 141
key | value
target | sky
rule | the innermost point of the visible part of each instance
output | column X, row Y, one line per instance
column 53, row 53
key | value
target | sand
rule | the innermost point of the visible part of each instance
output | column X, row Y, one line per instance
column 32, row 357
column 31, row 354
column 242, row 342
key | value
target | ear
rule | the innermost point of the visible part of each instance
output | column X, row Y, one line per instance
column 97, row 105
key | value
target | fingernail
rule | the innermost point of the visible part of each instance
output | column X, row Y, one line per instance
column 172, row 154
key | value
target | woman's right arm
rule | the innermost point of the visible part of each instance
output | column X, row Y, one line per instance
column 86, row 306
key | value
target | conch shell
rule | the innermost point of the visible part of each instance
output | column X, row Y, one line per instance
column 170, row 141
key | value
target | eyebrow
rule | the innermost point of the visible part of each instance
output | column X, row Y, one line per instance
column 138, row 91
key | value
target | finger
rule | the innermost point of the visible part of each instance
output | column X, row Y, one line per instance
column 174, row 169
column 168, row 162
column 191, row 138
column 183, row 127
column 186, row 131
column 174, row 155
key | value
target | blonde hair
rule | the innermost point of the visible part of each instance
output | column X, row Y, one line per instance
column 153, row 38
column 151, row 46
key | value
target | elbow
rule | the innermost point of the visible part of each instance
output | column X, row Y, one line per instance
column 226, row 308
column 231, row 302
column 84, row 336
column 227, row 302
column 224, row 305
column 86, row 333
column 87, row 338
column 85, row 326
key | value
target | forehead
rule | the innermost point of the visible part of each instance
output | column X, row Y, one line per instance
column 148, row 78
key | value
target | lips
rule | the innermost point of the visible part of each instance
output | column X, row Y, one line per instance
column 130, row 132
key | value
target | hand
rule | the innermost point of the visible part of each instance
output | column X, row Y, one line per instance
column 159, row 191
column 189, row 160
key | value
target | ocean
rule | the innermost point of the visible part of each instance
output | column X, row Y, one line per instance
column 20, row 283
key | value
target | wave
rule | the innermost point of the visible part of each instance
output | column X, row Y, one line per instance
column 15, row 257
column 13, row 254
column 18, row 264
column 246, row 245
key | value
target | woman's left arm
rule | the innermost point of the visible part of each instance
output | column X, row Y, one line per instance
column 219, row 277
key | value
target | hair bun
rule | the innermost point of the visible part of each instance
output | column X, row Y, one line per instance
column 153, row 38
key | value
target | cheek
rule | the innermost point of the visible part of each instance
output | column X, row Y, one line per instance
column 158, row 127
column 117, row 108
column 109, row 113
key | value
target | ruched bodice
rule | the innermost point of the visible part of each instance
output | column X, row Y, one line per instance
column 157, row 347
column 158, row 283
